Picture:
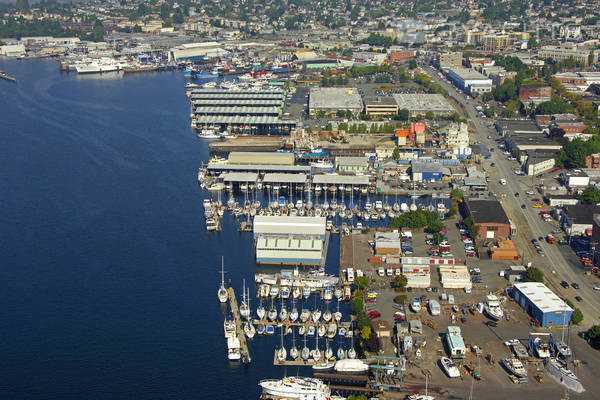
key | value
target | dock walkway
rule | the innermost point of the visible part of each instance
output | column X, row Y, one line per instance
column 244, row 352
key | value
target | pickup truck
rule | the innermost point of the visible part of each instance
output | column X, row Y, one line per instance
column 503, row 181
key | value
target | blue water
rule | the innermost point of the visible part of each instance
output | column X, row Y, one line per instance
column 108, row 277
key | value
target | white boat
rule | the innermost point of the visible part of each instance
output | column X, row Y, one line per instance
column 563, row 349
column 449, row 367
column 233, row 348
column 338, row 293
column 316, row 354
column 327, row 316
column 305, row 315
column 351, row 366
column 322, row 164
column 321, row 330
column 295, row 388
column 294, row 314
column 306, row 292
column 341, row 353
column 296, row 292
column 281, row 354
column 331, row 330
column 316, row 315
column 274, row 291
column 492, row 307
column 342, row 331
column 415, row 305
column 542, row 349
column 285, row 292
column 260, row 311
column 337, row 316
column 434, row 307
column 327, row 293
column 560, row 373
column 229, row 328
column 407, row 344
column 310, row 331
column 515, row 367
column 208, row 134
column 323, row 366
column 249, row 330
column 272, row 314
column 222, row 292
column 283, row 314
column 302, row 330
column 351, row 353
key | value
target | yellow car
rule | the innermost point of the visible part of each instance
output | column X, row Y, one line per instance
column 537, row 206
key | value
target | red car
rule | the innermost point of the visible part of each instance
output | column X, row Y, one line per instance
column 470, row 254
column 443, row 230
column 535, row 199
column 374, row 314
column 371, row 300
column 544, row 212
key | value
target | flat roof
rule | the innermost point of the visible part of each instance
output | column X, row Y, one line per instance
column 240, row 110
column 344, row 160
column 289, row 225
column 259, row 168
column 279, row 243
column 243, row 96
column 518, row 125
column 468, row 74
column 335, row 99
column 237, row 102
column 423, row 102
column 486, row 211
column 257, row 157
column 381, row 101
column 455, row 339
column 240, row 177
column 284, row 178
column 539, row 294
column 237, row 91
column 242, row 120
column 341, row 179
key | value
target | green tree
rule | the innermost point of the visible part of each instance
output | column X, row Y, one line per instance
column 362, row 282
column 362, row 320
column 577, row 316
column 438, row 238
column 97, row 32
column 533, row 274
column 396, row 153
column 532, row 43
column 365, row 332
column 357, row 305
column 412, row 64
column 400, row 282
column 429, row 115
column 594, row 335
column 403, row 115
column 329, row 127
column 590, row 195
column 400, row 299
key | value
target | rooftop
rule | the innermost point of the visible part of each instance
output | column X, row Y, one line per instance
column 341, row 179
column 544, row 298
column 423, row 102
column 486, row 211
column 468, row 74
column 380, row 101
column 581, row 213
column 335, row 99
column 518, row 125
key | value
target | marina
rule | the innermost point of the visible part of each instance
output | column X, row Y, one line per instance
column 244, row 351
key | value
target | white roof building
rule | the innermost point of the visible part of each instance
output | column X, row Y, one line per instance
column 455, row 277
column 292, row 226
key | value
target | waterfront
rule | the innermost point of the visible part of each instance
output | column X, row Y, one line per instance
column 109, row 277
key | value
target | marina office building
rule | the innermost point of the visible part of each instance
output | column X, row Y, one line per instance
column 290, row 240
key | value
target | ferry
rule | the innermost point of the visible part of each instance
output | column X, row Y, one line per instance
column 295, row 388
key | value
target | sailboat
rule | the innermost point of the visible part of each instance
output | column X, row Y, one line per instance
column 260, row 311
column 294, row 349
column 327, row 316
column 328, row 352
column 351, row 351
column 222, row 292
column 337, row 315
column 249, row 330
column 283, row 314
column 305, row 351
column 316, row 315
column 321, row 330
column 282, row 352
column 294, row 312
column 341, row 354
column 317, row 352
column 296, row 292
column 272, row 314
column 244, row 309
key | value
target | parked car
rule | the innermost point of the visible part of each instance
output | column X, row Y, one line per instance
column 579, row 298
column 492, row 324
column 564, row 284
column 575, row 285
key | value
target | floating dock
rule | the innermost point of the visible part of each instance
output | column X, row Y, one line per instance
column 244, row 352
column 3, row 75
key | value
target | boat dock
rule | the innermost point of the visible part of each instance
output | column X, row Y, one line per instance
column 3, row 75
column 244, row 352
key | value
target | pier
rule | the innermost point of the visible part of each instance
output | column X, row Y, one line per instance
column 244, row 352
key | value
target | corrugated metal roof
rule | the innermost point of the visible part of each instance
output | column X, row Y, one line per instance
column 242, row 120
column 341, row 179
column 258, row 167
column 237, row 102
column 264, row 224
column 243, row 96
column 240, row 177
column 274, row 243
column 237, row 110
column 284, row 178
column 540, row 295
column 266, row 158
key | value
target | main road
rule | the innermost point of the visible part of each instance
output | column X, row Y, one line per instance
column 554, row 264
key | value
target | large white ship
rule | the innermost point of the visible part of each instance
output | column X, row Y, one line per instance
column 100, row 65
column 294, row 387
column 559, row 371
column 492, row 308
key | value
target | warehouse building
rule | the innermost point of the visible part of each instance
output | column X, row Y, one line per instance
column 489, row 216
column 352, row 164
column 331, row 100
column 578, row 219
column 455, row 277
column 289, row 226
column 542, row 304
column 417, row 276
column 387, row 243
column 420, row 104
column 263, row 158
column 426, row 171
column 470, row 81
column 273, row 250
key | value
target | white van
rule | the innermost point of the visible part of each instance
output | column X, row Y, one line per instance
column 381, row 271
column 450, row 299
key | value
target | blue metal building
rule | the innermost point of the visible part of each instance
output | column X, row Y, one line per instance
column 542, row 304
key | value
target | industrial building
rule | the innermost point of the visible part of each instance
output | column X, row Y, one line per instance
column 330, row 100
column 381, row 106
column 426, row 171
column 417, row 276
column 250, row 157
column 352, row 164
column 489, row 216
column 289, row 251
column 420, row 104
column 196, row 51
column 286, row 226
column 387, row 243
column 578, row 219
column 470, row 81
column 455, row 277
column 542, row 304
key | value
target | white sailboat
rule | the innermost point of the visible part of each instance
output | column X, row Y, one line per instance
column 351, row 351
column 283, row 313
column 222, row 292
column 450, row 367
column 305, row 351
column 260, row 311
column 337, row 315
column 249, row 330
column 294, row 312
column 341, row 354
column 244, row 309
column 317, row 352
column 272, row 314
column 282, row 352
column 296, row 292
column 294, row 349
column 327, row 316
